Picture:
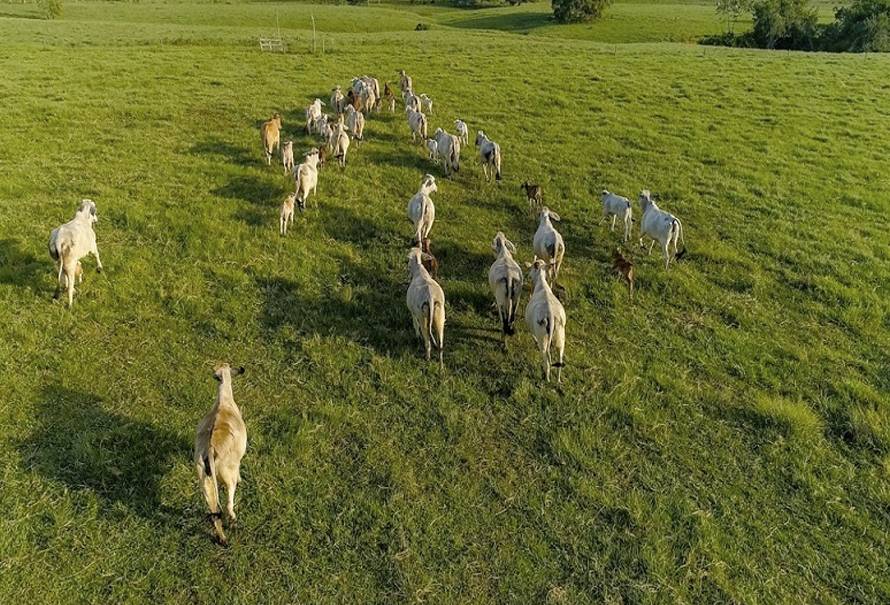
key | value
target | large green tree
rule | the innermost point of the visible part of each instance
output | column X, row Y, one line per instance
column 785, row 24
column 861, row 26
column 574, row 11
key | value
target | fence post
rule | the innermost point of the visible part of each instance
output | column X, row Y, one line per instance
column 313, row 34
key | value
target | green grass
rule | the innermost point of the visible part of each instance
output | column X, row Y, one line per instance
column 623, row 22
column 726, row 438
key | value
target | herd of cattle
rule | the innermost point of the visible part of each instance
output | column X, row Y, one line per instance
column 222, row 436
column 425, row 299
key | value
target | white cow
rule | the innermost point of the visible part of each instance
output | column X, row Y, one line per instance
column 306, row 177
column 505, row 280
column 449, row 150
column 412, row 101
column 659, row 225
column 355, row 122
column 421, row 210
column 548, row 243
column 286, row 216
column 489, row 156
column 417, row 123
column 372, row 95
column 71, row 242
column 426, row 104
column 546, row 318
column 433, row 149
column 426, row 303
column 287, row 156
column 337, row 99
column 405, row 82
column 340, row 144
column 313, row 113
column 460, row 127
column 617, row 207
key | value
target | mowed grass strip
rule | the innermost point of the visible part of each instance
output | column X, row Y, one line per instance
column 724, row 438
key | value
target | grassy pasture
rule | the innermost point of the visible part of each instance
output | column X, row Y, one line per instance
column 623, row 22
column 626, row 21
column 726, row 438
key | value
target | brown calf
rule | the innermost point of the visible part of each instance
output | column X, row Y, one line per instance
column 431, row 264
column 625, row 269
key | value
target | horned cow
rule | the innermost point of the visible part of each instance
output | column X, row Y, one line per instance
column 270, row 133
column 72, row 241
column 220, row 444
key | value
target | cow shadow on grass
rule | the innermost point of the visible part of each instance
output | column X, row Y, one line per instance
column 254, row 217
column 232, row 153
column 17, row 267
column 360, row 298
column 362, row 305
column 31, row 14
column 521, row 22
column 79, row 443
column 596, row 242
column 345, row 225
column 379, row 136
column 293, row 120
column 409, row 157
column 265, row 191
column 458, row 261
column 483, row 334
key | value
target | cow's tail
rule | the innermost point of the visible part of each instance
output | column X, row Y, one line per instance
column 516, row 292
column 510, row 315
column 497, row 162
column 301, row 201
column 53, row 249
column 430, row 326
column 547, row 322
column 418, row 233
column 211, row 492
column 421, row 220
column 428, row 316
column 559, row 363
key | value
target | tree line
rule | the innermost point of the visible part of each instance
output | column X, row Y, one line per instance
column 860, row 26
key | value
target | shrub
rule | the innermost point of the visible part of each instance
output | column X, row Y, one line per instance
column 729, row 39
column 479, row 3
column 52, row 9
column 863, row 26
column 574, row 11
column 732, row 11
column 787, row 24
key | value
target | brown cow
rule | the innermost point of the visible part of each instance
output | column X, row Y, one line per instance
column 220, row 444
column 625, row 269
column 429, row 261
column 271, row 136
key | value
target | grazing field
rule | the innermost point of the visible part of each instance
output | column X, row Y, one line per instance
column 724, row 438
